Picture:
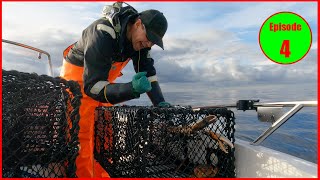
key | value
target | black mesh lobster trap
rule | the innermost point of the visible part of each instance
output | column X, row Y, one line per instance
column 39, row 125
column 165, row 142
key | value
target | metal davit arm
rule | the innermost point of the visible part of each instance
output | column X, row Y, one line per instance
column 255, row 105
column 297, row 106
column 34, row 49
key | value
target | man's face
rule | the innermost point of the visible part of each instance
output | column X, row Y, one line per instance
column 139, row 36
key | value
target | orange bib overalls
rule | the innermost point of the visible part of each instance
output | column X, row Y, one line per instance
column 86, row 165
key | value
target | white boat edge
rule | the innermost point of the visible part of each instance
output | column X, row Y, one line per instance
column 259, row 161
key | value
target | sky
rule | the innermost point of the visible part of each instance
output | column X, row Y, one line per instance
column 207, row 44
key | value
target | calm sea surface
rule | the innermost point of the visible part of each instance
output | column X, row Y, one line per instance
column 298, row 136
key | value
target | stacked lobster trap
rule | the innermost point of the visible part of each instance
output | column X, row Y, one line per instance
column 165, row 142
column 39, row 125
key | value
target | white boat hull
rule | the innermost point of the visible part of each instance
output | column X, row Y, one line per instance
column 258, row 161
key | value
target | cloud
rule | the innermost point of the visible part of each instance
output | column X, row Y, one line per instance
column 197, row 60
column 218, row 57
column 216, row 54
column 314, row 45
column 54, row 45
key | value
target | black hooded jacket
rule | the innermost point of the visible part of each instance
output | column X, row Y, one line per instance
column 97, row 49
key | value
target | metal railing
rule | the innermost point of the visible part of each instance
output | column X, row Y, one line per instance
column 244, row 105
column 296, row 107
column 34, row 49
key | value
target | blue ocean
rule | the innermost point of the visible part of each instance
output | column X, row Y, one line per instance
column 298, row 136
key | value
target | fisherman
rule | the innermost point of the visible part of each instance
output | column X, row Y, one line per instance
column 96, row 60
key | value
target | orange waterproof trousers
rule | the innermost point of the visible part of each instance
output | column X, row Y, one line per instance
column 86, row 165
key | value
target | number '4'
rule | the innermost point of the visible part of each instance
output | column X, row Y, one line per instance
column 285, row 48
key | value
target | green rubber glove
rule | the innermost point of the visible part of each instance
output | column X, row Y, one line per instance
column 164, row 104
column 140, row 83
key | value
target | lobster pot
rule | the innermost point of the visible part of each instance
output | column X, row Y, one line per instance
column 39, row 125
column 156, row 142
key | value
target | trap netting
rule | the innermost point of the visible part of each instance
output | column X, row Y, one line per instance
column 39, row 125
column 165, row 142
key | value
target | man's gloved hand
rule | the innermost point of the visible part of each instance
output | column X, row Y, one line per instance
column 140, row 83
column 164, row 104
